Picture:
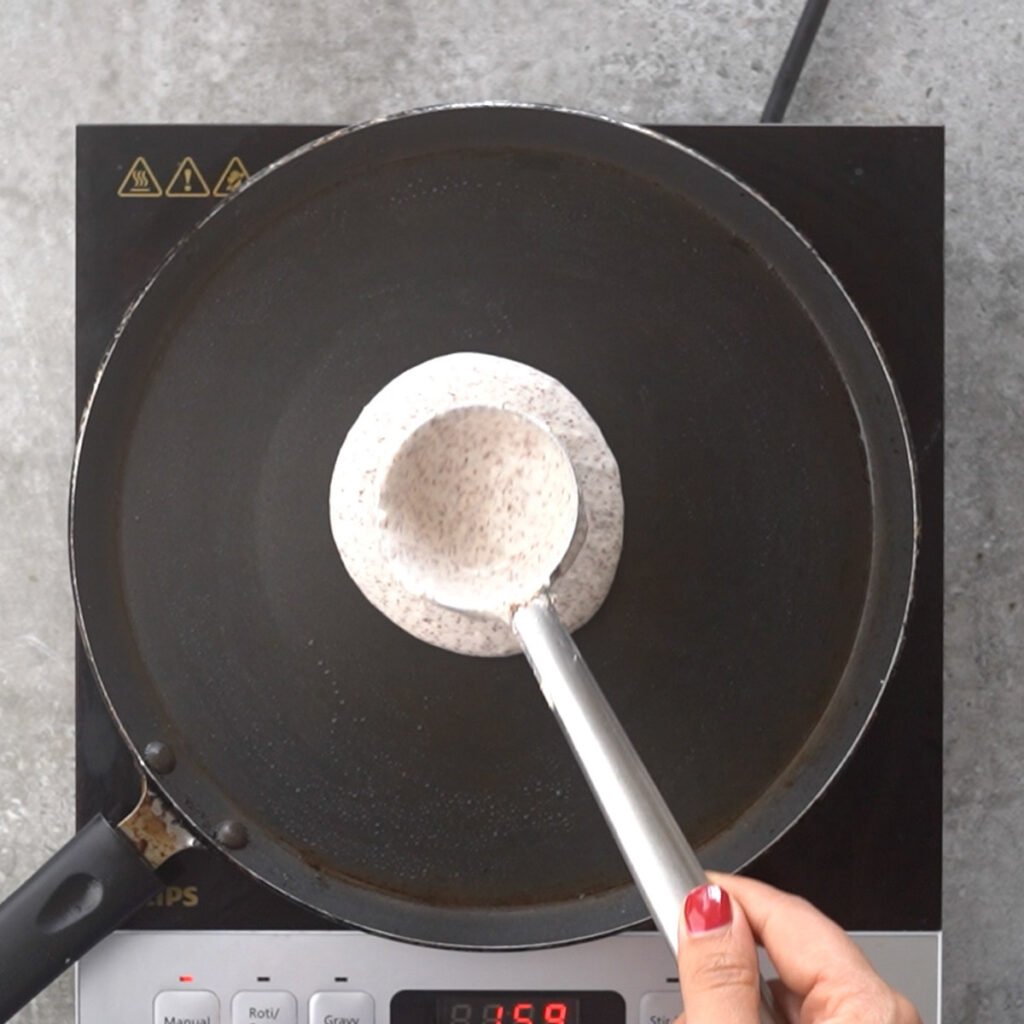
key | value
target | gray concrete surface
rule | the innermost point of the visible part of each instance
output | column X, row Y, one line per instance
column 960, row 62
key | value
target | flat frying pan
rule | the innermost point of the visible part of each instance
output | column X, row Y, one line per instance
column 759, row 603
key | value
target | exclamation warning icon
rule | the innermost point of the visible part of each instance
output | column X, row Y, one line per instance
column 187, row 182
column 140, row 182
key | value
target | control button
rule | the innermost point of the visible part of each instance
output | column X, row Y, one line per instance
column 341, row 1008
column 179, row 1007
column 660, row 1007
column 277, row 1007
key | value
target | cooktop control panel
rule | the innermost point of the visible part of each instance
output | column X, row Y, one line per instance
column 351, row 978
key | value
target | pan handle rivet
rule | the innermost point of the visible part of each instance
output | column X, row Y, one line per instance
column 232, row 834
column 159, row 757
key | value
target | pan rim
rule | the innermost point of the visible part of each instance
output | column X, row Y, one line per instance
column 623, row 904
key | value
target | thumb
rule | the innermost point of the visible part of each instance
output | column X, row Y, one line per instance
column 718, row 970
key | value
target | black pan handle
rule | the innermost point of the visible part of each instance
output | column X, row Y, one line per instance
column 72, row 902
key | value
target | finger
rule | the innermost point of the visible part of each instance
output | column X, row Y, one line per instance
column 788, row 1002
column 805, row 946
column 717, row 960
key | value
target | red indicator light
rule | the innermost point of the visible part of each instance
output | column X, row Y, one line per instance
column 185, row 977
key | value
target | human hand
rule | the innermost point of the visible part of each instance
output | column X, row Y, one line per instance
column 823, row 976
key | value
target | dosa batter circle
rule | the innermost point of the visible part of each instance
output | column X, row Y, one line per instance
column 423, row 393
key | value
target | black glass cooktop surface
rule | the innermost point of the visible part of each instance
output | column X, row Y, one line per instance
column 870, row 200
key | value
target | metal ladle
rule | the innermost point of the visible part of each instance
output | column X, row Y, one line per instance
column 480, row 512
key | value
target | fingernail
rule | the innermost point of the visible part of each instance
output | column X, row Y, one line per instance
column 706, row 908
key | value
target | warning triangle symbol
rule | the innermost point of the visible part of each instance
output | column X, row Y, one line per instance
column 140, row 181
column 233, row 176
column 187, row 182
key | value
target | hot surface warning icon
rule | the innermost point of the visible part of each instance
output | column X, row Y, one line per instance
column 140, row 182
column 187, row 182
column 233, row 176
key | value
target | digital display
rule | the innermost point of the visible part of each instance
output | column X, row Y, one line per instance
column 507, row 1008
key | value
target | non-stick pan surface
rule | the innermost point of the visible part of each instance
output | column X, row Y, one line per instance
column 769, row 517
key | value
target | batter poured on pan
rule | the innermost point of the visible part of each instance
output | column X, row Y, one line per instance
column 400, row 459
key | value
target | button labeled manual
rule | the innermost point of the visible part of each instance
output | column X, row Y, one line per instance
column 272, row 1007
column 341, row 1008
column 186, row 1008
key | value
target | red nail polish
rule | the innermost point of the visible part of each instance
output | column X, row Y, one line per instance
column 708, row 907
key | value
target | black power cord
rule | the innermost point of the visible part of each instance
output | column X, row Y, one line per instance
column 793, row 62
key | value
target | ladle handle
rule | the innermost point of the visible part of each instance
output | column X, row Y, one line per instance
column 661, row 861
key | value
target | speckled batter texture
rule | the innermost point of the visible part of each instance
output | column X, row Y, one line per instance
column 479, row 508
column 423, row 394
